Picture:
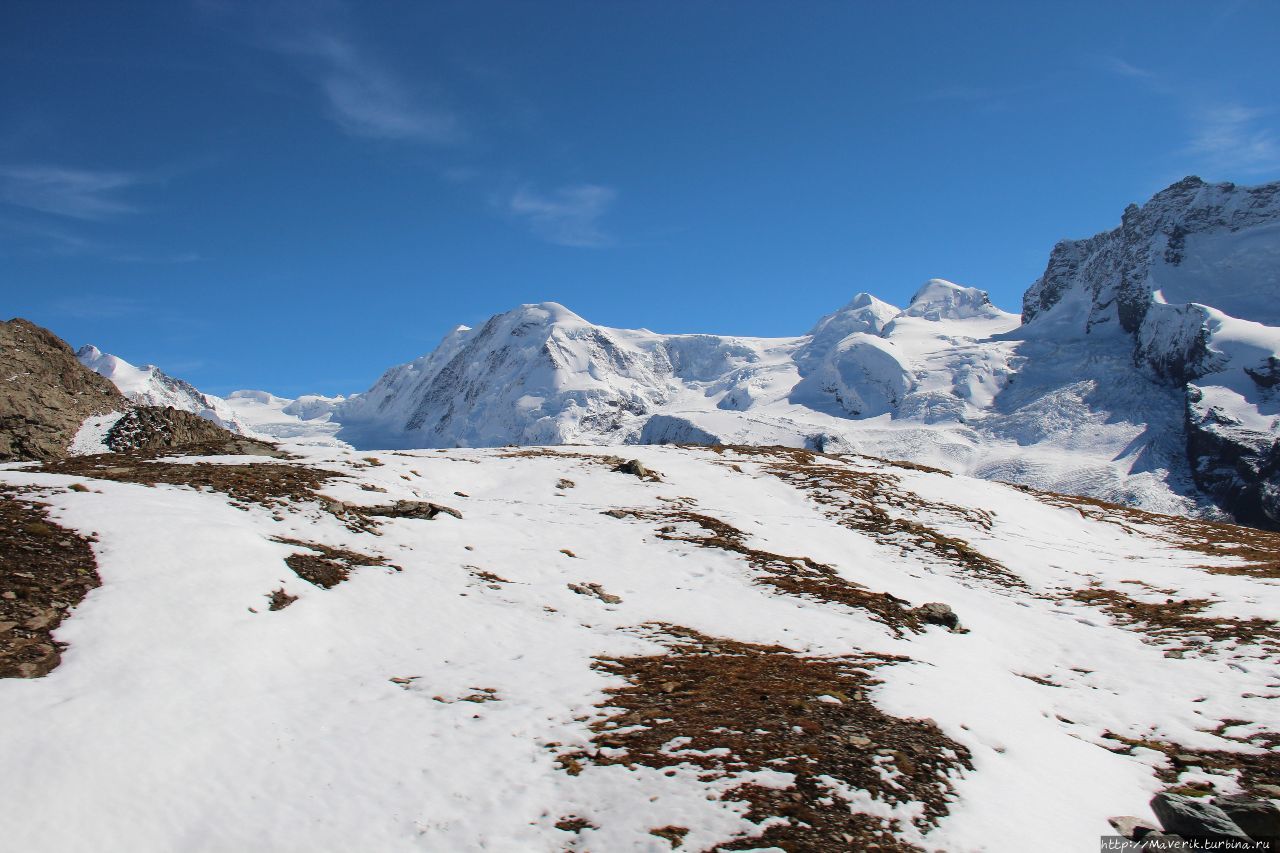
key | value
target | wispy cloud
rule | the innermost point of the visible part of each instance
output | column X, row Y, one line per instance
column 94, row 306
column 568, row 216
column 1233, row 139
column 366, row 99
column 75, row 193
column 1123, row 68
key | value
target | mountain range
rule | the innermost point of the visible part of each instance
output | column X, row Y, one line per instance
column 1141, row 370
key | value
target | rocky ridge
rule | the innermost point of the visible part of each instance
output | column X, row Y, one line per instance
column 45, row 395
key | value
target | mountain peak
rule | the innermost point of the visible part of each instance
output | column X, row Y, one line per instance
column 939, row 299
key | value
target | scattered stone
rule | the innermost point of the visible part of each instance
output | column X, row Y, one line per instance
column 1272, row 791
column 462, row 494
column 858, row 741
column 408, row 509
column 595, row 589
column 1186, row 760
column 1175, row 653
column 567, row 552
column 937, row 613
column 1131, row 827
column 563, row 484
column 406, row 680
column 617, row 513
column 279, row 599
column 1259, row 819
column 1193, row 817
column 636, row 468
column 44, row 570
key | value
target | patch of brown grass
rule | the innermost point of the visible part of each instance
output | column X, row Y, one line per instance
column 269, row 484
column 1253, row 769
column 801, row 576
column 862, row 500
column 1256, row 552
column 1178, row 619
column 324, row 566
column 742, row 707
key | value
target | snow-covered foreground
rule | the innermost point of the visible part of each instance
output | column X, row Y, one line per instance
column 441, row 701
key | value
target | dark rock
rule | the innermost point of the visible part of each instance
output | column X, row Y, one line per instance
column 408, row 509
column 937, row 613
column 1258, row 818
column 636, row 468
column 154, row 428
column 1193, row 817
column 50, row 395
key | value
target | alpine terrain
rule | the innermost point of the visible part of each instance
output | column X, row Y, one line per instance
column 936, row 577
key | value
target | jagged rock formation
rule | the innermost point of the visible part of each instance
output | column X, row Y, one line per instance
column 45, row 393
column 1192, row 280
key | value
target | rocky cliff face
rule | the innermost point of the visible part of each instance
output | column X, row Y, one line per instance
column 45, row 393
column 1193, row 279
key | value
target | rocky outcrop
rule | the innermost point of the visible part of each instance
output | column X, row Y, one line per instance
column 45, row 393
column 154, row 428
column 1115, row 269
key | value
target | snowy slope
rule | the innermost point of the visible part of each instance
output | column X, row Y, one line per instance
column 150, row 386
column 453, row 698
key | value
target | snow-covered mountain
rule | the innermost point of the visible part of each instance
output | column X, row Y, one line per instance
column 150, row 386
column 1191, row 283
column 1142, row 371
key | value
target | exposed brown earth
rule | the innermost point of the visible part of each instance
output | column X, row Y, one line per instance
column 1256, row 553
column 800, row 576
column 861, row 500
column 269, row 484
column 1251, row 770
column 324, row 566
column 45, row 393
column 45, row 571
column 1180, row 619
column 738, row 707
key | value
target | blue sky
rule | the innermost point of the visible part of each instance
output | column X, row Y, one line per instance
column 295, row 196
